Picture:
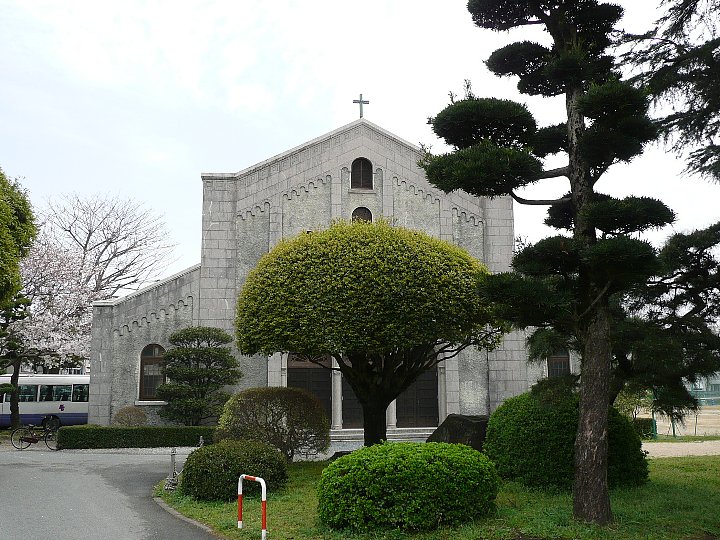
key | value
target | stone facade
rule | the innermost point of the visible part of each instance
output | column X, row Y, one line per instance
column 246, row 213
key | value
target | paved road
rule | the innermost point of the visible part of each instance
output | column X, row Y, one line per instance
column 93, row 496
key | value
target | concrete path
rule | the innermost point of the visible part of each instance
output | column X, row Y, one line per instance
column 86, row 494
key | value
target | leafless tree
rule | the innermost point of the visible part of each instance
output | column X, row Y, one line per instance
column 86, row 250
column 120, row 243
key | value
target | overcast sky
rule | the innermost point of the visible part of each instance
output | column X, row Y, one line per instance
column 139, row 98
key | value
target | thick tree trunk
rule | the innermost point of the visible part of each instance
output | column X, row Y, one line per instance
column 374, row 423
column 591, row 499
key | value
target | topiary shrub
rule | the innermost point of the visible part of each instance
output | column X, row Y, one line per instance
column 130, row 416
column 411, row 486
column 531, row 439
column 211, row 473
column 290, row 419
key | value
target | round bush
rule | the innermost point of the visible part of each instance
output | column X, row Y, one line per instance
column 130, row 416
column 411, row 486
column 532, row 440
column 290, row 419
column 211, row 472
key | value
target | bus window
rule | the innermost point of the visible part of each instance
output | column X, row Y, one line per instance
column 55, row 392
column 28, row 392
column 80, row 392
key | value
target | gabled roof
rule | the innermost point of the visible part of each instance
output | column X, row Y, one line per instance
column 317, row 140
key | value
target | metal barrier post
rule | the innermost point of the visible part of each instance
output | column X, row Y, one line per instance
column 263, row 489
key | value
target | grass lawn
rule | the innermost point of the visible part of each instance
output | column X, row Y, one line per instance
column 681, row 501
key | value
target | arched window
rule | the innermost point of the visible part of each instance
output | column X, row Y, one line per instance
column 151, row 375
column 558, row 364
column 361, row 176
column 362, row 214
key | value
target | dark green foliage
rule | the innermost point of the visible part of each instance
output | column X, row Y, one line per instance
column 198, row 367
column 665, row 334
column 643, row 427
column 521, row 59
column 211, row 473
column 621, row 260
column 472, row 120
column 290, row 419
column 17, row 231
column 483, row 169
column 92, row 436
column 528, row 301
column 531, row 439
column 409, row 486
column 613, row 100
column 628, row 215
column 550, row 140
column 553, row 255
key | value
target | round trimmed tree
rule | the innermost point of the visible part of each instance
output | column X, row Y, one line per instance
column 386, row 303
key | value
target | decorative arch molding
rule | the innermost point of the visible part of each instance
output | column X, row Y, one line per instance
column 254, row 210
column 154, row 316
column 314, row 183
column 467, row 217
column 417, row 190
column 296, row 191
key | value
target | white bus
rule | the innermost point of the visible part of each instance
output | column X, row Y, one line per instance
column 62, row 397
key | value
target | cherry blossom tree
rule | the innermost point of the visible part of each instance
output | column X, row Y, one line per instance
column 87, row 249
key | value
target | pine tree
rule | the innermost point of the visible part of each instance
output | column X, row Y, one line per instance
column 562, row 285
column 679, row 63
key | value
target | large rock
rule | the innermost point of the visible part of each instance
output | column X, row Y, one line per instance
column 462, row 429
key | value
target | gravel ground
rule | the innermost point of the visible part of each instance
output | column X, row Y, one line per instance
column 678, row 449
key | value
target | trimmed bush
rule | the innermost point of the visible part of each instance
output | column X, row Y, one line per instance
column 130, row 416
column 290, row 419
column 91, row 436
column 643, row 427
column 211, row 473
column 531, row 439
column 411, row 486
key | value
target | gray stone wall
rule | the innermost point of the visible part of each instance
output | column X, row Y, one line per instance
column 120, row 331
column 246, row 213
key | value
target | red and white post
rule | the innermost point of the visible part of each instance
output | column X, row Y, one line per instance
column 263, row 487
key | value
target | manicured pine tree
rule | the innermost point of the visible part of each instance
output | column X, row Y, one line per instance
column 198, row 366
column 562, row 285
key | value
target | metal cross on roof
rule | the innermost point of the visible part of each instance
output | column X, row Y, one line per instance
column 361, row 102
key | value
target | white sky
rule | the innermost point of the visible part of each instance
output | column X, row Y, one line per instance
column 138, row 98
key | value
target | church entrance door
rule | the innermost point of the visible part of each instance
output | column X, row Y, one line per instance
column 313, row 378
column 418, row 405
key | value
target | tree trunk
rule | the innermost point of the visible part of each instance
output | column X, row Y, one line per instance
column 15, row 395
column 374, row 423
column 591, row 498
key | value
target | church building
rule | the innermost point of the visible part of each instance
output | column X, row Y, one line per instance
column 357, row 171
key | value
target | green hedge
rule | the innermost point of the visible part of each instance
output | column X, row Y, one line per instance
column 91, row 436
column 532, row 440
column 643, row 427
column 410, row 486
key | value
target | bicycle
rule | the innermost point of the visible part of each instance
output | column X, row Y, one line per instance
column 24, row 436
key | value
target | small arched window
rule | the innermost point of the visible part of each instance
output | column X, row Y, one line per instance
column 362, row 214
column 151, row 375
column 558, row 364
column 361, row 176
